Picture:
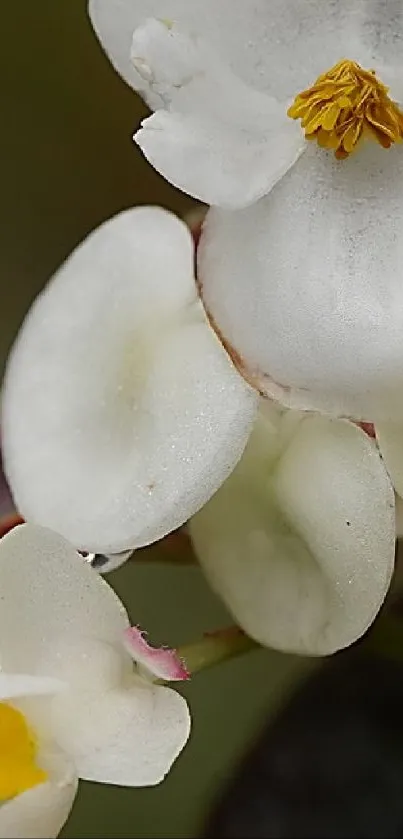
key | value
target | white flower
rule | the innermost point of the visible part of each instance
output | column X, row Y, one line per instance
column 305, row 284
column 72, row 705
column 299, row 541
column 121, row 411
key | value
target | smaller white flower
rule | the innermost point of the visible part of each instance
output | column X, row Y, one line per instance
column 299, row 541
column 72, row 704
column 121, row 411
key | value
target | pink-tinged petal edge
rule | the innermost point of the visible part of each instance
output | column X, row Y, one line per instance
column 9, row 517
column 8, row 522
column 162, row 662
column 369, row 428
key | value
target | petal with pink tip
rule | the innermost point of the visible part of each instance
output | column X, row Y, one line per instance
column 162, row 662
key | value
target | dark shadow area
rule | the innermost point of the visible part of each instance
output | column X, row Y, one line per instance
column 329, row 765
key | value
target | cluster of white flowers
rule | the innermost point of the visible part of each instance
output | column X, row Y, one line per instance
column 253, row 390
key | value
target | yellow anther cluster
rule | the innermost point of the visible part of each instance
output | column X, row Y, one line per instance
column 343, row 105
column 18, row 770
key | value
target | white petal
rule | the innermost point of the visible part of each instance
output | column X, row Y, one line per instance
column 52, row 606
column 128, row 736
column 217, row 139
column 300, row 543
column 41, row 812
column 392, row 77
column 122, row 413
column 307, row 284
column 279, row 46
column 19, row 684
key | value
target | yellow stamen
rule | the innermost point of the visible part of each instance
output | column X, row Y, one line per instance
column 345, row 104
column 18, row 770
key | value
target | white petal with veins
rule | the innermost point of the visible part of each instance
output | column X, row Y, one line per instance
column 299, row 542
column 217, row 139
column 121, row 411
column 307, row 287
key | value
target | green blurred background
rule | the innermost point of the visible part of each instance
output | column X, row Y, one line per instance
column 68, row 162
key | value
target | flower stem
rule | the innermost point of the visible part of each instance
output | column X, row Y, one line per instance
column 214, row 648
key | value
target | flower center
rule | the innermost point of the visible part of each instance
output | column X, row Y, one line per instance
column 345, row 104
column 18, row 770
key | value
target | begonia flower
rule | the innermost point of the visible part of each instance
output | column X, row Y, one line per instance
column 297, row 103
